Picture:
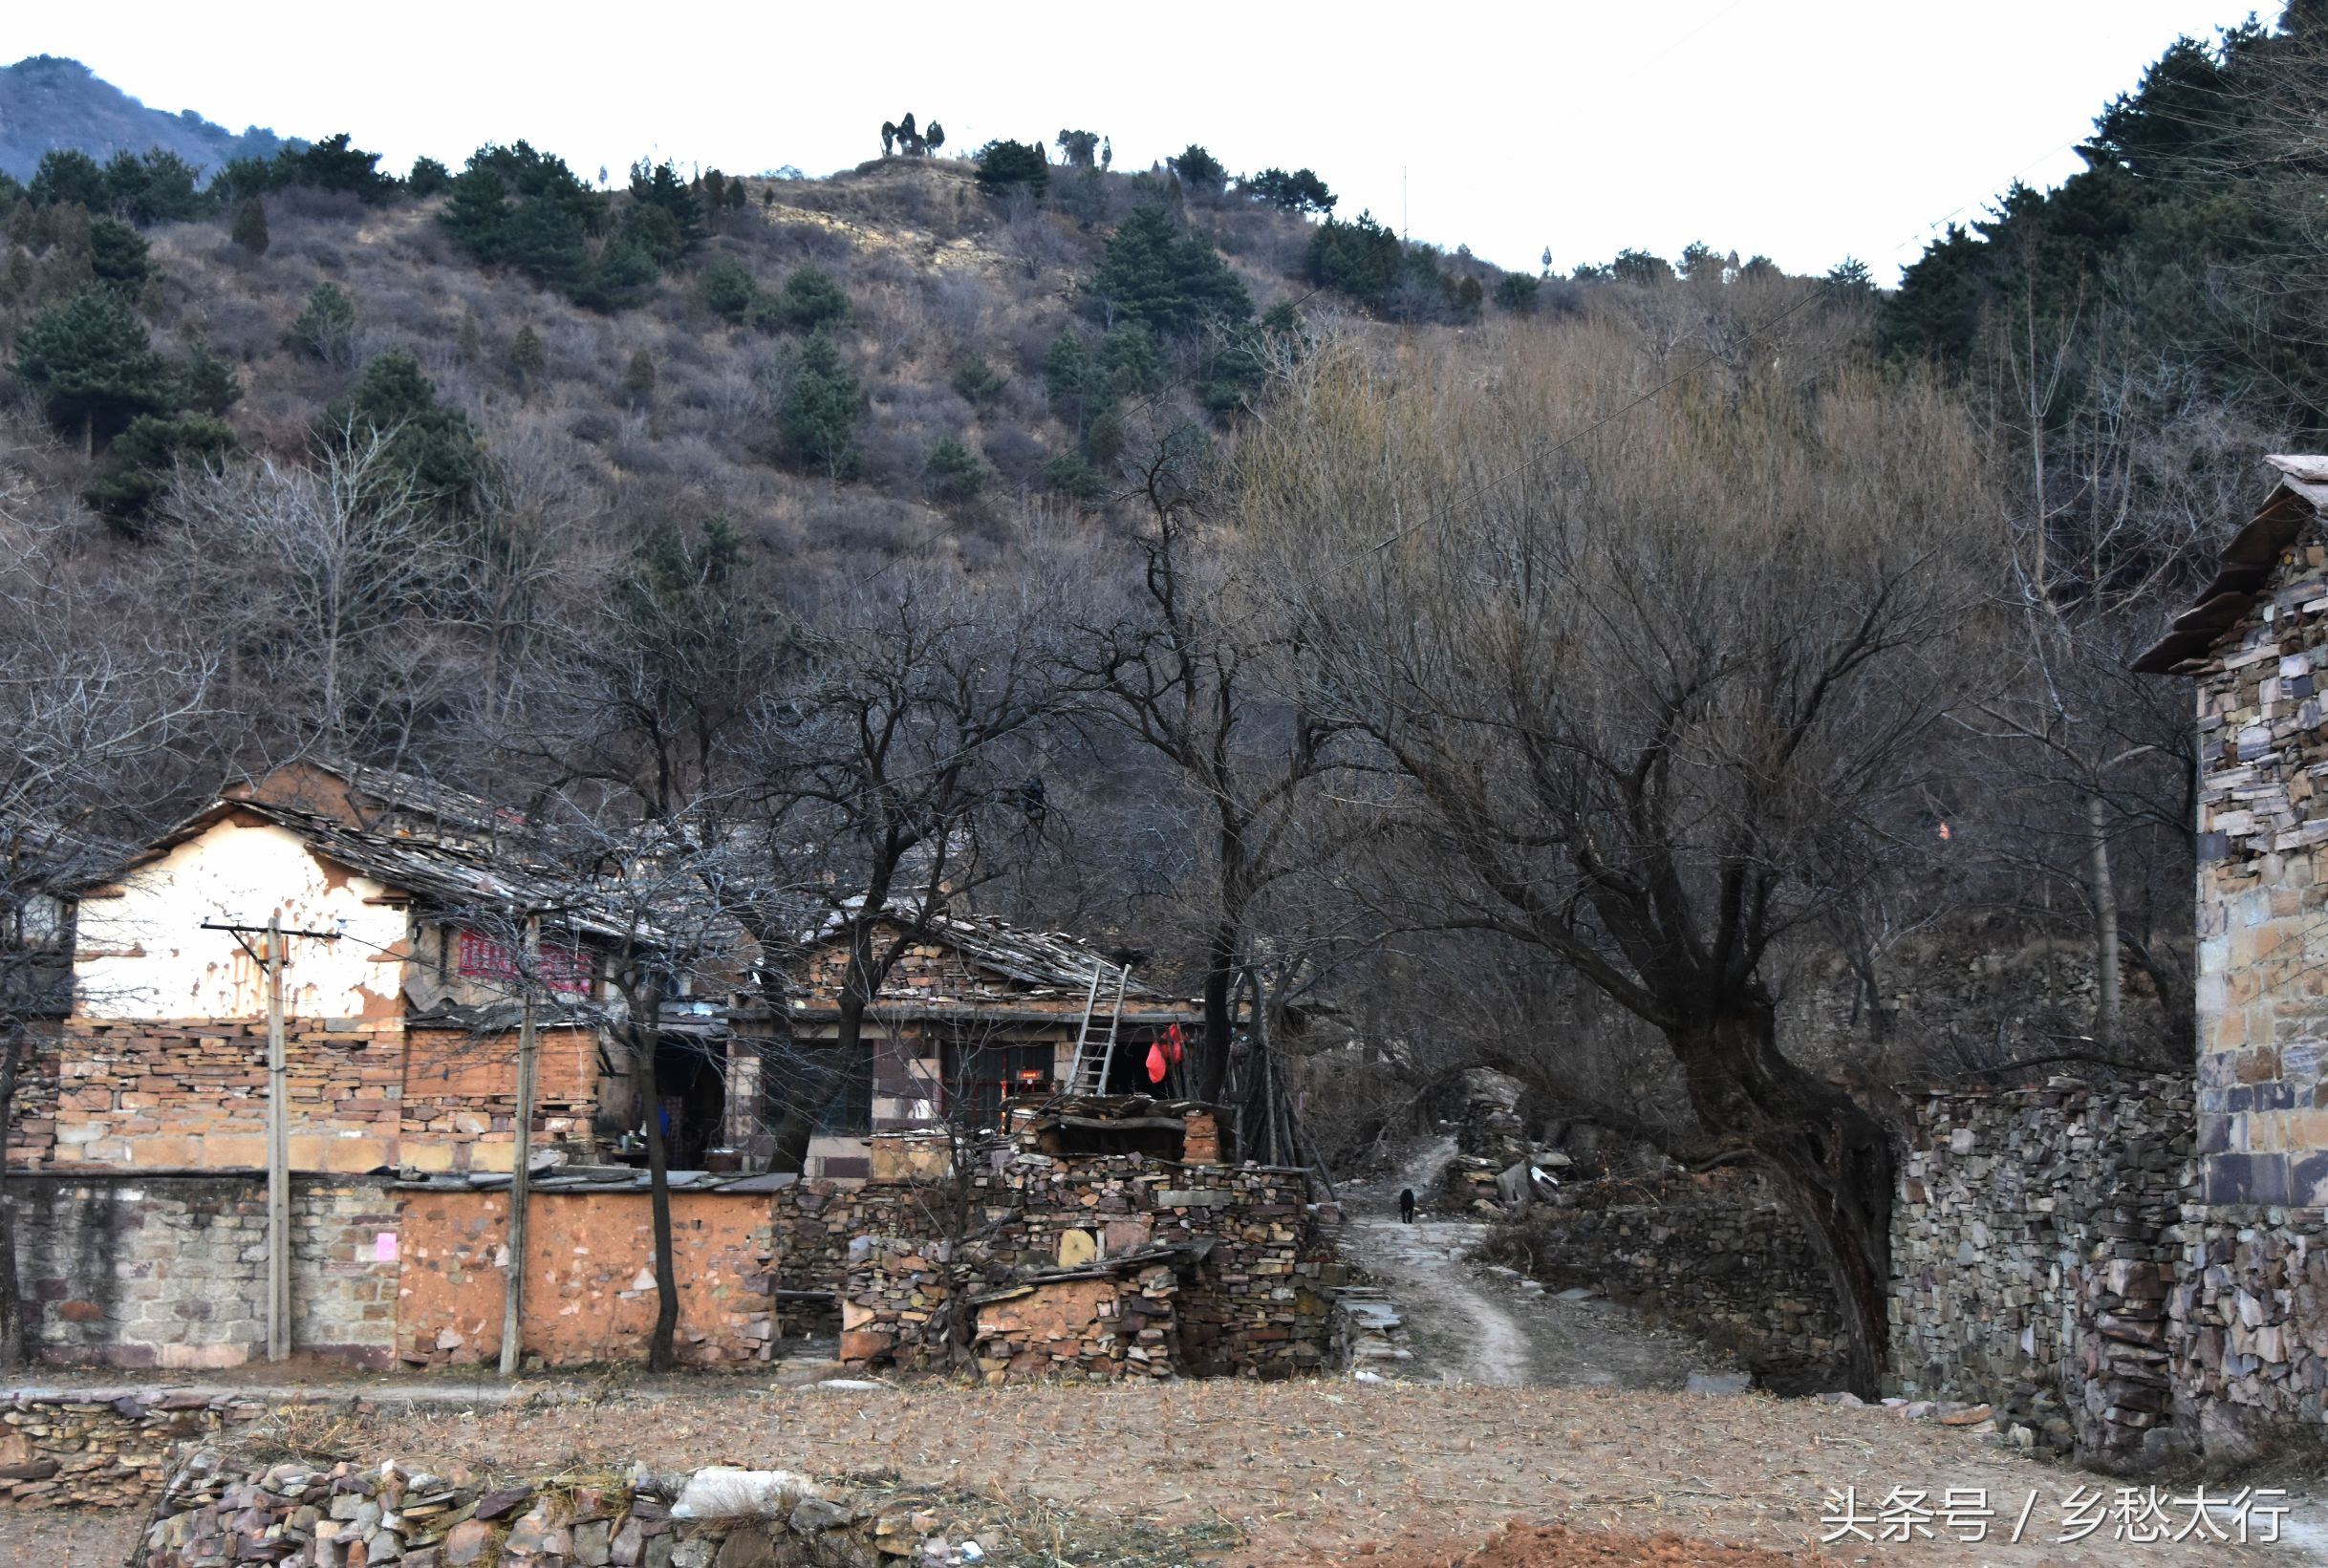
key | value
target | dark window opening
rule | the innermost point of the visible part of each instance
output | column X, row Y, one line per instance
column 848, row 1113
column 980, row 1078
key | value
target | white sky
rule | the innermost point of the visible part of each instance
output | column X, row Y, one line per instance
column 1803, row 129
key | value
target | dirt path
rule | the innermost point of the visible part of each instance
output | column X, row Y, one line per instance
column 1471, row 1324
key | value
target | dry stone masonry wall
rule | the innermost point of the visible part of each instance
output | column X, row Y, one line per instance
column 2033, row 1250
column 101, row 1448
column 1720, row 1255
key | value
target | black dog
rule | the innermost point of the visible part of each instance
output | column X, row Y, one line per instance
column 1406, row 1206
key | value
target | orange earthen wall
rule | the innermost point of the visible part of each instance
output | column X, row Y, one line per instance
column 590, row 1286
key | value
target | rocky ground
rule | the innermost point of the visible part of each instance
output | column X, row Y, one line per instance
column 1303, row 1473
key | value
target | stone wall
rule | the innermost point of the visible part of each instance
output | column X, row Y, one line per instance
column 92, row 1449
column 171, row 1271
column 2033, row 1250
column 1721, row 1256
column 1256, row 1258
column 2263, row 890
column 589, row 1280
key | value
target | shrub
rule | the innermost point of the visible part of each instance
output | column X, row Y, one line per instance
column 335, row 163
column 117, row 254
column 428, row 178
column 69, row 175
column 1516, row 292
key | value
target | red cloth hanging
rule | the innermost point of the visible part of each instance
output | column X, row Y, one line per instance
column 1174, row 1044
column 1157, row 1065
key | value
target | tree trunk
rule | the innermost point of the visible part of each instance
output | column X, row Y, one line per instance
column 1220, row 971
column 2107, row 986
column 646, row 1041
column 1833, row 1158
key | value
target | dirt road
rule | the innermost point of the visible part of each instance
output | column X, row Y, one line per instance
column 1467, row 1323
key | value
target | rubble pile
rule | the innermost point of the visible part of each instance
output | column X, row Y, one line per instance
column 343, row 1516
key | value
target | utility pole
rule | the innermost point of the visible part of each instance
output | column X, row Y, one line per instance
column 278, row 1122
column 278, row 1155
column 521, row 1173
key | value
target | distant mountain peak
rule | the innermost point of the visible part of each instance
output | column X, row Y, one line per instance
column 51, row 100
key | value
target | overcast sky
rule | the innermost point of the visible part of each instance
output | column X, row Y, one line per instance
column 1807, row 130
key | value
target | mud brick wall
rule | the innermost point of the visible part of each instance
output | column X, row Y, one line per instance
column 1723, row 1256
column 171, row 1271
column 589, row 1281
column 100, row 1448
column 2263, row 897
column 192, row 1094
column 460, row 1097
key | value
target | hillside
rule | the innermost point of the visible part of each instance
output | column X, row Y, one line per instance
column 47, row 102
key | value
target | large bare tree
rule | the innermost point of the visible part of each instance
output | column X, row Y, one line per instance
column 1656, row 646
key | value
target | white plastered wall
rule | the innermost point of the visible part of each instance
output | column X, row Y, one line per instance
column 144, row 954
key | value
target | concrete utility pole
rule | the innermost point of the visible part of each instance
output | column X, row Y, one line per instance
column 278, row 1155
column 278, row 1121
column 521, row 1173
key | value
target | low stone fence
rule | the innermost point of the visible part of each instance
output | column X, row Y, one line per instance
column 101, row 1448
column 1721, row 1256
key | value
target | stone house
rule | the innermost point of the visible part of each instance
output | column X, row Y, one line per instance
column 399, row 1017
column 976, row 1011
column 2257, row 644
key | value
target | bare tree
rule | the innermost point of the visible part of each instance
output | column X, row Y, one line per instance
column 896, row 774
column 1196, row 673
column 1655, row 695
column 318, row 582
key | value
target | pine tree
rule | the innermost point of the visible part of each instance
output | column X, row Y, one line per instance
column 818, row 419
column 432, row 442
column 527, row 354
column 638, row 378
column 326, row 328
column 91, row 365
column 250, row 231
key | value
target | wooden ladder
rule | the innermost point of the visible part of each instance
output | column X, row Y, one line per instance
column 1095, row 1039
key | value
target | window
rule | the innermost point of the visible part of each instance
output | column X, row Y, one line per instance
column 980, row 1078
column 848, row 1113
column 565, row 969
